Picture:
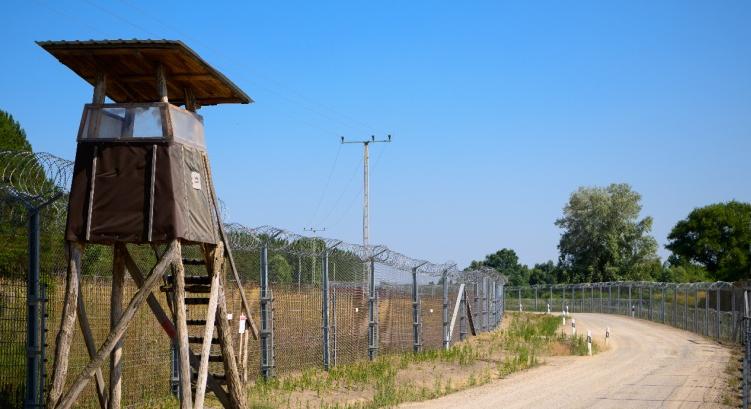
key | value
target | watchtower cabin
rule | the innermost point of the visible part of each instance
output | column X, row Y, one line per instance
column 142, row 177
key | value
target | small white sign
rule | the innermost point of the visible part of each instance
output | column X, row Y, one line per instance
column 229, row 317
column 357, row 309
column 241, row 324
column 195, row 180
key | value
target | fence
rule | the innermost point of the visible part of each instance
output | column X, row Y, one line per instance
column 319, row 302
column 719, row 310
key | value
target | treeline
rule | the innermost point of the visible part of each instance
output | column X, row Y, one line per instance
column 603, row 239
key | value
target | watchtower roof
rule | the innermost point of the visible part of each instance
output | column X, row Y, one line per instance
column 130, row 66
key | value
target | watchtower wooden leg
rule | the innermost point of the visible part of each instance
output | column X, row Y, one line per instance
column 70, row 306
column 186, row 401
column 234, row 385
column 116, row 308
column 214, row 262
column 122, row 325
column 88, row 338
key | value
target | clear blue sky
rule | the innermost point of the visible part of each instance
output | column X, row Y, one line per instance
column 499, row 110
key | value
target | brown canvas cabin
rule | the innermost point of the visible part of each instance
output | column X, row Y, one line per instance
column 145, row 141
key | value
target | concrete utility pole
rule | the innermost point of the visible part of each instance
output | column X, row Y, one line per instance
column 315, row 231
column 366, row 187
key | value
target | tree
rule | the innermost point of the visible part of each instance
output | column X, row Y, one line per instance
column 543, row 273
column 279, row 269
column 603, row 238
column 12, row 136
column 716, row 237
column 506, row 262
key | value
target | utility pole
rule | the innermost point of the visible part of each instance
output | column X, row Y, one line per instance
column 315, row 231
column 366, row 190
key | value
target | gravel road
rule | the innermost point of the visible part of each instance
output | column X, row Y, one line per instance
column 646, row 365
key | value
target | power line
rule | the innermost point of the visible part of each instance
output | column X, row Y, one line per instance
column 326, row 186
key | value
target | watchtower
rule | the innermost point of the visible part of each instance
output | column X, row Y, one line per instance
column 142, row 177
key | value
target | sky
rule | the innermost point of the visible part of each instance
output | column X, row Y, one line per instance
column 498, row 110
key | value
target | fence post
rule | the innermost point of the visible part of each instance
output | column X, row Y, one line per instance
column 719, row 317
column 535, row 298
column 33, row 325
column 675, row 305
column 463, row 315
column 662, row 305
column 478, row 307
column 641, row 301
column 651, row 310
column 325, row 310
column 267, row 326
column 484, row 318
column 618, row 299
column 630, row 303
column 685, row 312
column 372, row 314
column 519, row 297
column 446, row 340
column 696, row 311
column 415, row 313
column 706, row 312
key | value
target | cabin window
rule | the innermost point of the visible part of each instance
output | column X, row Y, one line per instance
column 102, row 122
column 187, row 127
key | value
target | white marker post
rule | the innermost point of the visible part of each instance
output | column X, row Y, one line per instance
column 607, row 335
column 589, row 342
column 633, row 308
column 548, row 308
column 241, row 330
column 564, row 321
column 567, row 313
column 521, row 309
column 573, row 326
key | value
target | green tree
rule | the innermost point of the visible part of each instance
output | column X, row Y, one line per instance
column 603, row 238
column 716, row 237
column 12, row 136
column 506, row 262
column 279, row 269
column 543, row 273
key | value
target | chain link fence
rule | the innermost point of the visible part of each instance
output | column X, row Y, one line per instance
column 319, row 302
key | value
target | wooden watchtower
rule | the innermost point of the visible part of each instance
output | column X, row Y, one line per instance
column 142, row 177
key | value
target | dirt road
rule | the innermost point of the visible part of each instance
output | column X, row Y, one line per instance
column 647, row 365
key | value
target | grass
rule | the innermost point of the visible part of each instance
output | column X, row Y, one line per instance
column 393, row 379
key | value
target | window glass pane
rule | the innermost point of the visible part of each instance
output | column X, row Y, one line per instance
column 123, row 123
column 187, row 126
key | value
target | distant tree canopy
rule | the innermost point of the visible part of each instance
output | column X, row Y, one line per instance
column 506, row 262
column 603, row 238
column 716, row 237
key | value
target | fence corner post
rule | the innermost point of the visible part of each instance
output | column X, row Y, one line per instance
column 446, row 340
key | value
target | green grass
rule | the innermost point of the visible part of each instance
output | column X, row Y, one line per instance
column 490, row 356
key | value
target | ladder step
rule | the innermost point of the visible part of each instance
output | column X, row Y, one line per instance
column 196, row 301
column 197, row 322
column 199, row 340
column 194, row 261
column 198, row 288
column 197, row 280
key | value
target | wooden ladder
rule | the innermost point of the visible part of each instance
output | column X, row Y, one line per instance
column 204, row 334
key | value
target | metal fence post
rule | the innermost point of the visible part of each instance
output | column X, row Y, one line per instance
column 719, row 317
column 630, row 303
column 463, row 316
column 267, row 326
column 446, row 340
column 696, row 311
column 325, row 310
column 478, row 307
column 415, row 313
column 34, row 385
column 651, row 310
column 484, row 318
column 685, row 312
column 536, row 298
column 675, row 305
column 706, row 312
column 610, row 298
column 662, row 305
column 372, row 314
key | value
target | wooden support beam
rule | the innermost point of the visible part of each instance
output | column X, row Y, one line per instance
column 116, row 310
column 100, row 88
column 88, row 338
column 161, row 83
column 186, row 400
column 190, row 100
column 64, row 336
column 169, row 328
column 469, row 316
column 228, row 251
column 459, row 297
column 69, row 399
column 214, row 263
column 234, row 385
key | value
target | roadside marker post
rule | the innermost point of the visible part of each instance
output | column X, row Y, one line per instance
column 589, row 342
column 573, row 326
